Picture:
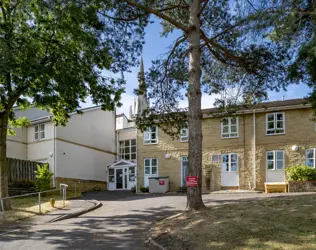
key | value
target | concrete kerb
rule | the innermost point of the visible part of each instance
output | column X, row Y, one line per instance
column 96, row 205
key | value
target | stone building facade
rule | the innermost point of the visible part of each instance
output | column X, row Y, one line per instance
column 242, row 150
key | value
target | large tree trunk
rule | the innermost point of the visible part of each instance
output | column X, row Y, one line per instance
column 3, row 160
column 194, row 194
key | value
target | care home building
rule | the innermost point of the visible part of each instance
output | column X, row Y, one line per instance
column 77, row 152
column 242, row 150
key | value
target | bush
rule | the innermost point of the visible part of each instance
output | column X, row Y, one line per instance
column 133, row 189
column 301, row 173
column 43, row 178
column 144, row 189
column 25, row 184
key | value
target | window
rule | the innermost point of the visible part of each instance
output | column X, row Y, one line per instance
column 229, row 162
column 230, row 127
column 310, row 157
column 127, row 150
column 151, row 166
column 275, row 160
column 184, row 135
column 111, row 175
column 215, row 158
column 184, row 170
column 151, row 135
column 275, row 123
column 39, row 130
column 131, row 174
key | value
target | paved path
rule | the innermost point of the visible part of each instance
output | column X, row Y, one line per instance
column 121, row 223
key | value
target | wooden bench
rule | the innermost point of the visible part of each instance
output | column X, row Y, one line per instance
column 275, row 187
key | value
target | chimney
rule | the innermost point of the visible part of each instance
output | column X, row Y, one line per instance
column 130, row 112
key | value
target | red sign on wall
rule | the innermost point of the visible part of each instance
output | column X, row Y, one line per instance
column 161, row 182
column 192, row 181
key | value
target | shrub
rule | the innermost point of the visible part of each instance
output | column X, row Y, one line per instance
column 43, row 178
column 301, row 173
column 25, row 184
column 144, row 189
column 133, row 189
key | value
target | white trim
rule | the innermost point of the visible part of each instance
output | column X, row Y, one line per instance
column 275, row 160
column 314, row 157
column 229, row 163
column 181, row 166
column 150, row 132
column 130, row 149
column 187, row 135
column 150, row 174
column 275, row 123
column 229, row 120
column 39, row 131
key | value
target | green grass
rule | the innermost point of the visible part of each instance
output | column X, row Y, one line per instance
column 26, row 207
column 279, row 223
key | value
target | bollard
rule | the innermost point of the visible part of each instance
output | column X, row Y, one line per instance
column 39, row 203
column 76, row 190
column 3, row 213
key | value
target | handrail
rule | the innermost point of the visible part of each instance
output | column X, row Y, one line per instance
column 29, row 194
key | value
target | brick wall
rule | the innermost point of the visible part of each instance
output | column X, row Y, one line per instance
column 299, row 130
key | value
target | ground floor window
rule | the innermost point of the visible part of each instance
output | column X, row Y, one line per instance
column 184, row 169
column 151, row 166
column 229, row 162
column 275, row 160
column 111, row 175
column 310, row 157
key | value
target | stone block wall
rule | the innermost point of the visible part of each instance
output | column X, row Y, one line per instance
column 81, row 185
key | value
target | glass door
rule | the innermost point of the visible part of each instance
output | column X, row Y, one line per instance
column 119, row 178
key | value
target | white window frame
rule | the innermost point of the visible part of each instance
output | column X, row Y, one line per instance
column 148, row 133
column 314, row 158
column 229, row 133
column 39, row 132
column 274, row 129
column 183, row 159
column 275, row 160
column 184, row 138
column 111, row 175
column 130, row 150
column 230, row 162
column 151, row 166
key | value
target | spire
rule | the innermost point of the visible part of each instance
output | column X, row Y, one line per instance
column 141, row 101
column 141, row 69
column 141, row 74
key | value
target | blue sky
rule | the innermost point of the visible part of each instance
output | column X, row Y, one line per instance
column 157, row 45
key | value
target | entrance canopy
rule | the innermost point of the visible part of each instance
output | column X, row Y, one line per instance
column 121, row 175
column 122, row 163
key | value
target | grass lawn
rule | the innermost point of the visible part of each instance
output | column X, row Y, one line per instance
column 26, row 207
column 275, row 223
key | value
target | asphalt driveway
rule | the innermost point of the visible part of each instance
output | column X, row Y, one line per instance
column 121, row 223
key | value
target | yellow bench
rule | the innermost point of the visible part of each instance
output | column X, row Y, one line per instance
column 275, row 187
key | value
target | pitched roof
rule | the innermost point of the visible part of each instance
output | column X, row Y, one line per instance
column 303, row 102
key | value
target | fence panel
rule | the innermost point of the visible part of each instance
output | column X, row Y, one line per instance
column 21, row 170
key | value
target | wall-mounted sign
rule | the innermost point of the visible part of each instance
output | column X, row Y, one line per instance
column 192, row 181
column 161, row 182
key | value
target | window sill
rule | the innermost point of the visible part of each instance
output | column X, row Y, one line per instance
column 276, row 134
column 235, row 137
column 150, row 143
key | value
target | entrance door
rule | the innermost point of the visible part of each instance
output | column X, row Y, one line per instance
column 275, row 166
column 184, row 170
column 230, row 175
column 150, row 169
column 119, row 178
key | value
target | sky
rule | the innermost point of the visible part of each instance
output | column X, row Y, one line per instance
column 157, row 45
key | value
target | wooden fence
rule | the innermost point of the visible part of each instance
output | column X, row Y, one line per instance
column 21, row 170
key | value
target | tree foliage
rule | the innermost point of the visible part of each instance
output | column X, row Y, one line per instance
column 56, row 53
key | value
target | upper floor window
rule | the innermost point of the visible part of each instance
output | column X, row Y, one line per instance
column 275, row 123
column 151, row 135
column 128, row 150
column 275, row 160
column 229, row 162
column 184, row 134
column 39, row 131
column 230, row 127
column 310, row 157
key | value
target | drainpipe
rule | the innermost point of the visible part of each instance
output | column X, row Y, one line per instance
column 54, row 153
column 254, row 151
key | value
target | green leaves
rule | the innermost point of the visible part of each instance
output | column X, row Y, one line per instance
column 56, row 53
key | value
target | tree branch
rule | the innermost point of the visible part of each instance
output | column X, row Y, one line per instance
column 121, row 18
column 203, row 7
column 157, row 13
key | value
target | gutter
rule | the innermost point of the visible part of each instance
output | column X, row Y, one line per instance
column 254, row 151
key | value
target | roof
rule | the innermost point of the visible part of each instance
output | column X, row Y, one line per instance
column 301, row 102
